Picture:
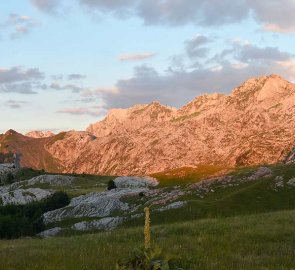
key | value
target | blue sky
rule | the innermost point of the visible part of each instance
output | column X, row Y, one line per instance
column 64, row 63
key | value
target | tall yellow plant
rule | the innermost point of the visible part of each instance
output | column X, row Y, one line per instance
column 147, row 229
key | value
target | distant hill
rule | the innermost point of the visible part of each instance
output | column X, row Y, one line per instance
column 39, row 134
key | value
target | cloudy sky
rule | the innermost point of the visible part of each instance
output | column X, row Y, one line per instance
column 64, row 63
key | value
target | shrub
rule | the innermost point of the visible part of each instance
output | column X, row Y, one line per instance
column 9, row 178
column 111, row 185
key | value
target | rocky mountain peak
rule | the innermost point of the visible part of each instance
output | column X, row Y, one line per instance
column 261, row 83
column 255, row 124
column 10, row 132
column 39, row 134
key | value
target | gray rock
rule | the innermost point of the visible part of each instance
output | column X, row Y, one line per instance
column 50, row 233
column 173, row 205
column 135, row 182
column 107, row 223
column 262, row 172
column 291, row 182
column 93, row 205
column 57, row 180
column 5, row 169
column 24, row 196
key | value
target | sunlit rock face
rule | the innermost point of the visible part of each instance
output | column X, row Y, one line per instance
column 39, row 134
column 255, row 124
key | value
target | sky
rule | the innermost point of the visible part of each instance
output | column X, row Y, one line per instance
column 65, row 63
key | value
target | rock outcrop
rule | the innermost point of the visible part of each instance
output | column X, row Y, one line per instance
column 94, row 204
column 23, row 196
column 107, row 223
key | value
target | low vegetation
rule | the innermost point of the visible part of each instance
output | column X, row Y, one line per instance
column 25, row 220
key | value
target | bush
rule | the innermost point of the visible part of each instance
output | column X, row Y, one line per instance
column 9, row 178
column 111, row 185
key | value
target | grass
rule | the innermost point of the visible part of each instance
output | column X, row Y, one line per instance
column 263, row 241
column 249, row 226
column 188, row 175
column 82, row 184
column 185, row 117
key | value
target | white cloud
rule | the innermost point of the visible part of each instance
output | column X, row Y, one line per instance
column 136, row 56
column 92, row 111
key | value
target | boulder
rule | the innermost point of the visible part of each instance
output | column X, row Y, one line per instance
column 291, row 182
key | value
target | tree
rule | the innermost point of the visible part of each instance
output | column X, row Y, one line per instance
column 111, row 185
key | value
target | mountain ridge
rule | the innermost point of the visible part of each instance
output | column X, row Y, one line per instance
column 255, row 124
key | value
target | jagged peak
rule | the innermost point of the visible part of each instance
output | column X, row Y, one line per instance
column 199, row 101
column 120, row 113
column 257, row 83
column 10, row 132
column 40, row 134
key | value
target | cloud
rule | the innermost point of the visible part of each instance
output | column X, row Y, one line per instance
column 200, row 12
column 220, row 73
column 279, row 29
column 92, row 111
column 15, row 104
column 20, row 88
column 21, row 25
column 46, row 5
column 99, row 91
column 279, row 14
column 57, row 77
column 194, row 47
column 136, row 56
column 248, row 53
column 75, row 76
column 21, row 80
column 178, row 88
column 73, row 87
column 17, row 74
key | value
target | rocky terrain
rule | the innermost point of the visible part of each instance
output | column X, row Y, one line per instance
column 253, row 125
column 250, row 188
column 39, row 134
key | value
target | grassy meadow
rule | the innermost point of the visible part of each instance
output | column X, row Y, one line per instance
column 262, row 241
column 245, row 226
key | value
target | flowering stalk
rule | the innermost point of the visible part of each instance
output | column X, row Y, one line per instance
column 147, row 229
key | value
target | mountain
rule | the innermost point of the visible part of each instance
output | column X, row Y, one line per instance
column 39, row 134
column 255, row 124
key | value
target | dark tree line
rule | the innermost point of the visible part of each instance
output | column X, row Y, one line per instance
column 26, row 220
